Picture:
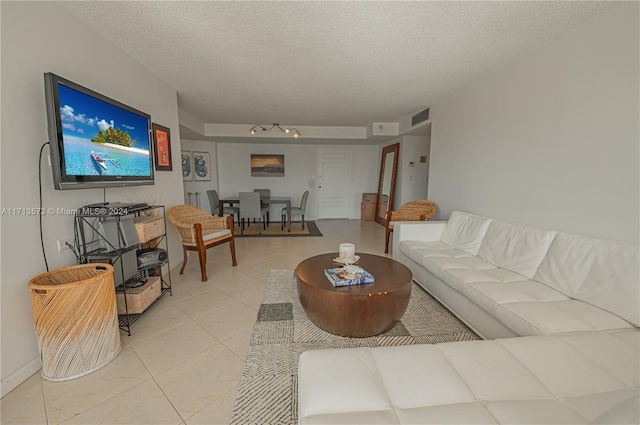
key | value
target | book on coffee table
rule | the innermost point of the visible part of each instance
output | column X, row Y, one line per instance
column 348, row 275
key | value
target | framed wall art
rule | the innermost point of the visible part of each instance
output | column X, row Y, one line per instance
column 162, row 147
column 267, row 165
column 187, row 166
column 201, row 166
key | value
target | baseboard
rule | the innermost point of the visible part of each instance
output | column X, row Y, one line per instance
column 9, row 383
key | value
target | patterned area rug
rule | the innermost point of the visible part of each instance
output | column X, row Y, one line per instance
column 268, row 390
column 310, row 229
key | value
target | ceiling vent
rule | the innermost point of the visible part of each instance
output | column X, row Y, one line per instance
column 421, row 116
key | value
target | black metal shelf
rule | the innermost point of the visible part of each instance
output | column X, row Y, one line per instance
column 85, row 222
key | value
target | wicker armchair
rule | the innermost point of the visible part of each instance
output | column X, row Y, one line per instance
column 419, row 210
column 198, row 230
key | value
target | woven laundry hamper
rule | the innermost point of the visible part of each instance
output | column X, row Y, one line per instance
column 76, row 321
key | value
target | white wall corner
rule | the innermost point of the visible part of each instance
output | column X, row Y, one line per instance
column 189, row 121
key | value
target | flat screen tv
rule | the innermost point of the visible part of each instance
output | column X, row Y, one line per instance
column 95, row 141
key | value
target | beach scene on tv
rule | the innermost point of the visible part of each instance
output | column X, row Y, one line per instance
column 102, row 139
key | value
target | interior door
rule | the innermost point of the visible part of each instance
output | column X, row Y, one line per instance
column 333, row 183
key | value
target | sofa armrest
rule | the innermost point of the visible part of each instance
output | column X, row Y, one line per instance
column 428, row 231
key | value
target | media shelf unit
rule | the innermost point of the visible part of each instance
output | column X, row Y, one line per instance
column 109, row 235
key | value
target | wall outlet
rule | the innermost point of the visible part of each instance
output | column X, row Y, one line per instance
column 62, row 243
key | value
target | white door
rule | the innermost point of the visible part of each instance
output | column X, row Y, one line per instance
column 333, row 183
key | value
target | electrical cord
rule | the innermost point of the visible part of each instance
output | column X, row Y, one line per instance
column 44, row 254
column 75, row 248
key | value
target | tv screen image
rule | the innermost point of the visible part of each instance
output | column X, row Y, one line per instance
column 95, row 141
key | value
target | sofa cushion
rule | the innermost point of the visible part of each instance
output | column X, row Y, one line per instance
column 576, row 378
column 436, row 245
column 602, row 273
column 528, row 307
column 458, row 278
column 490, row 295
column 437, row 265
column 439, row 252
column 364, row 400
column 454, row 414
column 557, row 317
column 465, row 231
column 565, row 365
column 517, row 248
column 417, row 249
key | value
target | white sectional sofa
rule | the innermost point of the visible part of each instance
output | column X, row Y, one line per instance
column 563, row 309
column 508, row 280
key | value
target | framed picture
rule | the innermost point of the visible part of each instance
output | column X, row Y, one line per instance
column 187, row 166
column 201, row 166
column 162, row 147
column 267, row 165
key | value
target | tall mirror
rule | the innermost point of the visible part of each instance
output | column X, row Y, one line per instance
column 387, row 182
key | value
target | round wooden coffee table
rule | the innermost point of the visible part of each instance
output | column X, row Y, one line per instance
column 358, row 310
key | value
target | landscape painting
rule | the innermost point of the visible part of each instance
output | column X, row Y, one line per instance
column 102, row 139
column 267, row 165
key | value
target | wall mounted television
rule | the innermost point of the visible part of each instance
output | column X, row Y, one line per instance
column 95, row 141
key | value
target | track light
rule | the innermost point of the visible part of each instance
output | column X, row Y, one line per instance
column 287, row 130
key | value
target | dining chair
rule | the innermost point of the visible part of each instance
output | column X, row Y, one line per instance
column 265, row 194
column 214, row 201
column 198, row 231
column 295, row 210
column 419, row 210
column 250, row 208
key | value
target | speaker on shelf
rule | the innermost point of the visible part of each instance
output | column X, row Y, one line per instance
column 151, row 257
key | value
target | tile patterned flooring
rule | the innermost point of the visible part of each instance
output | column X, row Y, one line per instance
column 183, row 362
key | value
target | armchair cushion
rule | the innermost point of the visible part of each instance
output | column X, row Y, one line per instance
column 209, row 235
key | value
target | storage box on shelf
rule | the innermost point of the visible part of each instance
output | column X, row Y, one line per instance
column 140, row 297
column 149, row 228
column 117, row 239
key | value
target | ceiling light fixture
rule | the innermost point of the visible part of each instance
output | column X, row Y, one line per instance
column 287, row 130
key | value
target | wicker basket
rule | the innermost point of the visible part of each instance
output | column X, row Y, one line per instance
column 149, row 228
column 76, row 323
column 138, row 299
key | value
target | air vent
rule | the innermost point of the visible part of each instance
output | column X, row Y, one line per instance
column 421, row 116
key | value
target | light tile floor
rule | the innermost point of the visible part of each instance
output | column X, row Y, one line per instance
column 183, row 362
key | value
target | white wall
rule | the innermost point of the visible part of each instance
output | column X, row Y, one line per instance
column 201, row 187
column 551, row 140
column 412, row 180
column 300, row 161
column 37, row 38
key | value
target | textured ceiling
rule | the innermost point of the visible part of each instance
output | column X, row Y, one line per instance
column 324, row 63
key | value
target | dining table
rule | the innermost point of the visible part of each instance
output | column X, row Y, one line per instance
column 273, row 200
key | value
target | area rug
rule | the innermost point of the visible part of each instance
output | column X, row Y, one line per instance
column 310, row 229
column 268, row 389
